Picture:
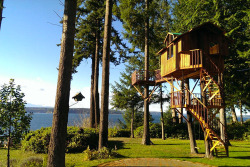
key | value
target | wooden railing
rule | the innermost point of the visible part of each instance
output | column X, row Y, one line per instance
column 190, row 59
column 138, row 76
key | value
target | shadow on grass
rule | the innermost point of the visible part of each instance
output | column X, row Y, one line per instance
column 241, row 157
column 116, row 144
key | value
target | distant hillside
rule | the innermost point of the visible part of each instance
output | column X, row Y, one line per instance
column 71, row 110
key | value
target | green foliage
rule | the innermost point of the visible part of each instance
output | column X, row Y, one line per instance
column 32, row 162
column 104, row 153
column 233, row 17
column 77, row 140
column 12, row 112
column 237, row 131
column 155, row 131
column 115, row 132
column 90, row 21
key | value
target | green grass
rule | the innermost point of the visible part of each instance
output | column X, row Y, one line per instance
column 239, row 153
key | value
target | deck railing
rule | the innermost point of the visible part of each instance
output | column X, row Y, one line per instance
column 190, row 59
column 139, row 76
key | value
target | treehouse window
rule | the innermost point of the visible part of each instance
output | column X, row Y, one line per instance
column 170, row 51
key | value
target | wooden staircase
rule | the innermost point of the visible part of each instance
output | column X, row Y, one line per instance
column 204, row 113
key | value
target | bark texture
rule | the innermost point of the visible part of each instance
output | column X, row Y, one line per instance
column 173, row 110
column 96, row 76
column 103, row 132
column 56, row 154
column 234, row 114
column 92, row 107
column 132, row 122
column 191, row 134
column 146, row 135
column 162, row 121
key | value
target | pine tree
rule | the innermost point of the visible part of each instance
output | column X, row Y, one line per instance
column 56, row 154
column 124, row 96
column 103, row 132
column 89, row 36
column 145, row 24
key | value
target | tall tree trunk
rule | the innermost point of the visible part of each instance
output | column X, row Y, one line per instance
column 241, row 112
column 234, row 114
column 208, row 153
column 146, row 135
column 223, row 123
column 180, row 119
column 190, row 125
column 103, row 132
column 92, row 107
column 132, row 122
column 96, row 93
column 162, row 121
column 173, row 110
column 1, row 12
column 56, row 154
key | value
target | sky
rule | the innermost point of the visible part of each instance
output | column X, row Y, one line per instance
column 29, row 53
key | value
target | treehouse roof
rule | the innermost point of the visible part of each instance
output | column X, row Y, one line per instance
column 208, row 26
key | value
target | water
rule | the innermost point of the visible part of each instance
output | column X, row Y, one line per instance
column 45, row 119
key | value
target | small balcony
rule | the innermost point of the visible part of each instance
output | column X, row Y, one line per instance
column 139, row 77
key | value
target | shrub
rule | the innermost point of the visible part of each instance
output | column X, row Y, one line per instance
column 236, row 131
column 115, row 132
column 139, row 131
column 77, row 140
column 104, row 153
column 154, row 130
column 32, row 162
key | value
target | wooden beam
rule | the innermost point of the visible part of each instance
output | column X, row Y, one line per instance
column 181, row 114
column 214, row 94
column 191, row 75
column 139, row 91
column 207, row 85
column 171, row 84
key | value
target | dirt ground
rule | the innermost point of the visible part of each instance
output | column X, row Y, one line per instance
column 153, row 162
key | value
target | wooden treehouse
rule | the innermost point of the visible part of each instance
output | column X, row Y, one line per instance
column 196, row 54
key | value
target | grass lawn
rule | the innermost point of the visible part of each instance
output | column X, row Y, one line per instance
column 239, row 153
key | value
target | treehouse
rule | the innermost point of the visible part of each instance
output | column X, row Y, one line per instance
column 197, row 54
column 201, row 47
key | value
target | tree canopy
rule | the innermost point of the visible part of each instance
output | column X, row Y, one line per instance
column 12, row 112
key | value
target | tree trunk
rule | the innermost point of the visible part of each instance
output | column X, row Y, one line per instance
column 162, row 121
column 208, row 153
column 1, row 12
column 96, row 93
column 103, row 132
column 223, row 123
column 146, row 135
column 132, row 122
column 241, row 115
column 190, row 125
column 56, row 154
column 92, row 107
column 173, row 111
column 180, row 119
column 234, row 116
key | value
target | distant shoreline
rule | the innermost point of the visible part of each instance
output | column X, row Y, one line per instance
column 47, row 110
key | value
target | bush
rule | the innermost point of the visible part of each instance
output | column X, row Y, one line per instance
column 154, row 130
column 77, row 140
column 236, row 131
column 104, row 153
column 115, row 132
column 32, row 162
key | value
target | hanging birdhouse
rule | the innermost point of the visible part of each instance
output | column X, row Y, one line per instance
column 78, row 97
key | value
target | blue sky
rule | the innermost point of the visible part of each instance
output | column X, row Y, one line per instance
column 29, row 54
